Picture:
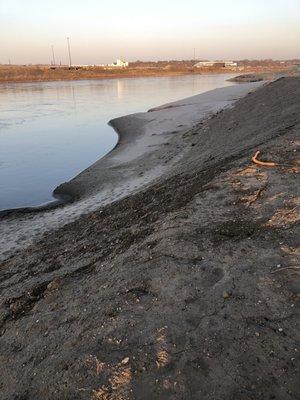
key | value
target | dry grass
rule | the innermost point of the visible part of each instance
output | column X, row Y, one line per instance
column 37, row 73
column 118, row 385
column 287, row 215
column 162, row 356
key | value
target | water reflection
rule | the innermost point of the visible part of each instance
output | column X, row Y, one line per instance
column 120, row 89
column 74, row 98
column 50, row 131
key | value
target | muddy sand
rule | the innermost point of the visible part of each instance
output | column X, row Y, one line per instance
column 185, row 288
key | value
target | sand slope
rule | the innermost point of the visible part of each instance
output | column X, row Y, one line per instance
column 185, row 290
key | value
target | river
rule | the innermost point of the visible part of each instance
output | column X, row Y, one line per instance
column 50, row 131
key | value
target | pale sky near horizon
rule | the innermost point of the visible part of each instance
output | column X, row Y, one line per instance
column 102, row 31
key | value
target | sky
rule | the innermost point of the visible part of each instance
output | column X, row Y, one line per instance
column 101, row 31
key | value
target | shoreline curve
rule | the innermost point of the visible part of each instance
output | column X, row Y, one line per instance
column 131, row 129
column 150, row 145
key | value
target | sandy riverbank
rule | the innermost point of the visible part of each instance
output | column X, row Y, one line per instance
column 185, row 289
column 149, row 145
column 149, row 141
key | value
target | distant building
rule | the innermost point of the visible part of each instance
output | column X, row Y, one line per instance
column 232, row 64
column 216, row 64
column 119, row 64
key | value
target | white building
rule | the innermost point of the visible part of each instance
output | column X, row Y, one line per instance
column 220, row 64
column 119, row 64
column 230, row 64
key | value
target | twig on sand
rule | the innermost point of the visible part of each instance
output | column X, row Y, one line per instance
column 282, row 269
column 263, row 163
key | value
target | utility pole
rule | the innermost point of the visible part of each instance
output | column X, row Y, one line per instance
column 194, row 55
column 53, row 57
column 69, row 51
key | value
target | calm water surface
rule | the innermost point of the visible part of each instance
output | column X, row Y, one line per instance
column 50, row 131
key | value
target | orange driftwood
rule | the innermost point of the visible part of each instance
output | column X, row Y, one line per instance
column 263, row 163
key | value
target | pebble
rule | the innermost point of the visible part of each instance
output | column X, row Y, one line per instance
column 53, row 285
column 226, row 294
column 125, row 361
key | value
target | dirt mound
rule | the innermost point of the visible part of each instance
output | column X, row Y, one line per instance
column 186, row 290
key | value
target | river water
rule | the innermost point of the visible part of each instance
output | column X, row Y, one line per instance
column 50, row 131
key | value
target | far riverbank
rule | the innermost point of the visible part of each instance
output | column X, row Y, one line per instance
column 35, row 73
